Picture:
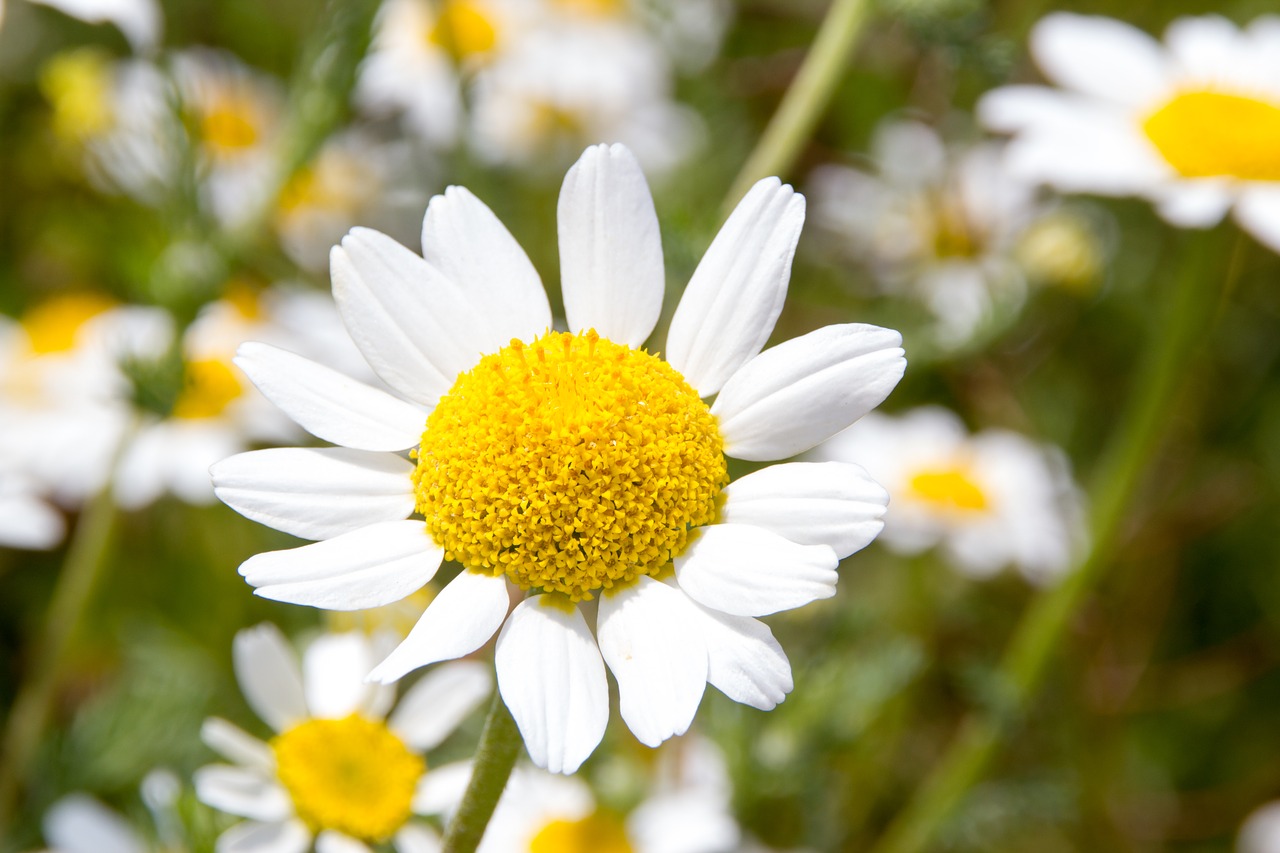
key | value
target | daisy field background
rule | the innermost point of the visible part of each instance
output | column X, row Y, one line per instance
column 1067, row 636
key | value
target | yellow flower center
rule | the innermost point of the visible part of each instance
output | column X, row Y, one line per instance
column 949, row 489
column 602, row 8
column 596, row 833
column 462, row 29
column 1207, row 134
column 209, row 385
column 53, row 325
column 77, row 85
column 230, row 124
column 350, row 775
column 570, row 464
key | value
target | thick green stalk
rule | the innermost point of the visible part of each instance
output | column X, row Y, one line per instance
column 1119, row 475
column 499, row 745
column 29, row 715
column 806, row 99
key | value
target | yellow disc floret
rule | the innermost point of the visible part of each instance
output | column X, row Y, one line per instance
column 1208, row 134
column 949, row 489
column 570, row 464
column 350, row 775
column 209, row 386
column 53, row 325
column 597, row 833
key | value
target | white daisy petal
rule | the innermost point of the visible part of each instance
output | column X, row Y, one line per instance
column 439, row 702
column 316, row 493
column 242, row 792
column 330, row 841
column 440, row 790
column 552, row 679
column 417, row 838
column 649, row 640
column 370, row 567
column 1203, row 46
column 749, row 571
column 233, row 742
column 329, row 404
column 1101, row 57
column 269, row 676
column 1258, row 212
column 250, row 837
column 610, row 248
column 414, row 326
column 464, row 240
column 78, row 823
column 333, row 670
column 459, row 620
column 27, row 522
column 735, row 296
column 744, row 661
column 805, row 390
column 680, row 821
column 811, row 503
column 1195, row 204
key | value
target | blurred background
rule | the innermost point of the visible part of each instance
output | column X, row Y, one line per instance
column 172, row 176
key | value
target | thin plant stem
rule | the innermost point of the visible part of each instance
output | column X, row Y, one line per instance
column 495, row 757
column 1042, row 627
column 806, row 99
column 81, row 575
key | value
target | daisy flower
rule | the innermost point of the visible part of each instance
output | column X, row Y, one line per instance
column 686, row 808
column 575, row 466
column 948, row 226
column 339, row 771
column 988, row 500
column 1192, row 124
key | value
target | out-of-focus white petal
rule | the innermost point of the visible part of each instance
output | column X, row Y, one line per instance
column 329, row 404
column 552, row 680
column 1101, row 57
column 415, row 327
column 290, row 836
column 463, row 239
column 242, row 792
column 1258, row 212
column 235, row 743
column 1194, row 204
column 683, row 822
column 267, row 670
column 316, row 493
column 441, row 789
column 610, row 249
column 78, row 823
column 458, row 621
column 439, row 702
column 417, row 838
column 140, row 20
column 811, row 503
column 735, row 295
column 749, row 571
column 649, row 640
column 335, row 842
column 805, row 390
column 334, row 667
column 370, row 567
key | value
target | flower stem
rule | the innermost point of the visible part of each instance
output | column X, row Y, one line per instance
column 499, row 745
column 1119, row 475
column 80, row 575
column 806, row 99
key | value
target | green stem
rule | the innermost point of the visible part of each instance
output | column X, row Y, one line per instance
column 29, row 715
column 499, row 745
column 806, row 99
column 1120, row 474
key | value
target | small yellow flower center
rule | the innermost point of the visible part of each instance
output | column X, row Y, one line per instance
column 462, row 29
column 52, row 326
column 351, row 775
column 77, row 85
column 1061, row 249
column 601, row 8
column 209, row 386
column 949, row 489
column 230, row 124
column 597, row 833
column 570, row 464
column 1207, row 134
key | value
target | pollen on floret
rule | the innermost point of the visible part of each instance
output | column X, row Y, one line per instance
column 351, row 775
column 1208, row 134
column 571, row 464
